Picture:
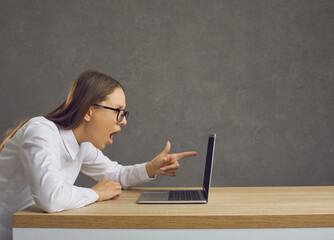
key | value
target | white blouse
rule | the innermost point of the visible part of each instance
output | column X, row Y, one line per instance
column 40, row 164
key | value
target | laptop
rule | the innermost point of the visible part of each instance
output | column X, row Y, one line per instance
column 185, row 196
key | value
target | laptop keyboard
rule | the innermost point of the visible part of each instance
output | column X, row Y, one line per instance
column 183, row 195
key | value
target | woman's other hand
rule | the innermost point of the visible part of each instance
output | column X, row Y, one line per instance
column 107, row 189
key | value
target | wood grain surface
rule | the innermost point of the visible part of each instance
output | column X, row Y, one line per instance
column 249, row 207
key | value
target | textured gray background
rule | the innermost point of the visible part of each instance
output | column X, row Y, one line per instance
column 258, row 73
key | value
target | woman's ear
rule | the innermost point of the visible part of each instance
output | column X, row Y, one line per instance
column 88, row 115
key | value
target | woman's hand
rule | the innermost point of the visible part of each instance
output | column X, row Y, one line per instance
column 107, row 189
column 166, row 164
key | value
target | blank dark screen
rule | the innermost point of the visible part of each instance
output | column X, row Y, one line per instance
column 208, row 164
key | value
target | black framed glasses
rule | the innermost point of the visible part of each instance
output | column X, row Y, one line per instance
column 119, row 116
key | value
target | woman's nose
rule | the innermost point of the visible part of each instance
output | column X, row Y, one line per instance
column 123, row 122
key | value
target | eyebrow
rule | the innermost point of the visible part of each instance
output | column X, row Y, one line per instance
column 119, row 106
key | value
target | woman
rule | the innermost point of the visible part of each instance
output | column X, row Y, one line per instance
column 41, row 159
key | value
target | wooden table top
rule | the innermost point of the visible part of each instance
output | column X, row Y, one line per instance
column 231, row 207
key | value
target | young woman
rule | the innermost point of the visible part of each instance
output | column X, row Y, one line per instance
column 41, row 159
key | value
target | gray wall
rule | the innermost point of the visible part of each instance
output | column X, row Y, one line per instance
column 258, row 73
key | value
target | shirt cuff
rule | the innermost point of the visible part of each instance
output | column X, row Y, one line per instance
column 142, row 172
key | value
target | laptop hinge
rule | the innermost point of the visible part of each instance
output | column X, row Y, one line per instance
column 205, row 193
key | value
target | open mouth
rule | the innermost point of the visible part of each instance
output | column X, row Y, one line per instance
column 111, row 137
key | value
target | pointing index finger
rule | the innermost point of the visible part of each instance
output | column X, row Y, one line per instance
column 185, row 154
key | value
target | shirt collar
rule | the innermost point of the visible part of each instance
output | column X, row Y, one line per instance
column 70, row 142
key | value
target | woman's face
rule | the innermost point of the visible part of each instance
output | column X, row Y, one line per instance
column 103, row 124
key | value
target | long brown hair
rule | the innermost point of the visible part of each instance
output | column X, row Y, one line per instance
column 90, row 87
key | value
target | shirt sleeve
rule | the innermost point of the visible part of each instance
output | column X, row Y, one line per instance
column 42, row 166
column 98, row 166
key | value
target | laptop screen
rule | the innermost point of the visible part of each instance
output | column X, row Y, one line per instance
column 208, row 164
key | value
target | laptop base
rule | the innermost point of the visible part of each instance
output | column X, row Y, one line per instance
column 163, row 197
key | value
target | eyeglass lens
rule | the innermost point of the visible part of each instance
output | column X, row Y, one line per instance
column 121, row 114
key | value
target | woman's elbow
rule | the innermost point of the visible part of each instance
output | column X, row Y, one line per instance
column 50, row 207
column 50, row 204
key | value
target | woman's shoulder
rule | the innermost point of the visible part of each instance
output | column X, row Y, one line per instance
column 41, row 121
column 39, row 125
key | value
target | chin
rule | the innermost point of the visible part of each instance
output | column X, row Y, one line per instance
column 100, row 146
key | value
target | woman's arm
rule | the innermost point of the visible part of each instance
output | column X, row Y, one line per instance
column 99, row 167
column 49, row 188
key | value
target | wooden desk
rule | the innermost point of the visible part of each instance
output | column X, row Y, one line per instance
column 257, row 210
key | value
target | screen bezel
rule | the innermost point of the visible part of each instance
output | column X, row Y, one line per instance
column 209, row 164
